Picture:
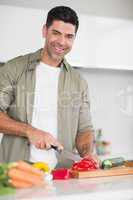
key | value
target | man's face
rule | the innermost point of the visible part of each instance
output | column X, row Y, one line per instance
column 59, row 39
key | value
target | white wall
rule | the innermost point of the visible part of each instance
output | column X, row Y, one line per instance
column 111, row 97
column 20, row 31
column 108, row 8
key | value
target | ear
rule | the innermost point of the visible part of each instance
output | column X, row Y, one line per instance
column 44, row 31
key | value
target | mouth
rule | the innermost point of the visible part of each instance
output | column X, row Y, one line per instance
column 59, row 50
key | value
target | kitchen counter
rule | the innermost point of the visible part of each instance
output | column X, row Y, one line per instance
column 118, row 187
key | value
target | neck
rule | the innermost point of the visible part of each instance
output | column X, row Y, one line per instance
column 45, row 58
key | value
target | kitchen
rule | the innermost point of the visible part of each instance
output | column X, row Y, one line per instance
column 106, row 62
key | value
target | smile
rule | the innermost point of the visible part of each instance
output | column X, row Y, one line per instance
column 59, row 50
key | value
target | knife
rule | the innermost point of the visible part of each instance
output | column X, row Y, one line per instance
column 66, row 154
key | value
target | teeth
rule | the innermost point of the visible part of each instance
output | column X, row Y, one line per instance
column 59, row 49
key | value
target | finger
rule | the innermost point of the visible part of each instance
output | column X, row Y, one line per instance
column 59, row 145
column 38, row 145
column 94, row 157
column 42, row 145
column 47, row 146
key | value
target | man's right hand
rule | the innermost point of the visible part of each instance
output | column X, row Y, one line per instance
column 42, row 139
column 39, row 138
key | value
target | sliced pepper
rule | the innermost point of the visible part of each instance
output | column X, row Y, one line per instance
column 61, row 173
column 42, row 166
column 86, row 164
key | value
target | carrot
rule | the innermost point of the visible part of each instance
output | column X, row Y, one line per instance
column 28, row 168
column 18, row 174
column 19, row 184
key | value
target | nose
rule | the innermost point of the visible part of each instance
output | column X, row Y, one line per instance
column 62, row 40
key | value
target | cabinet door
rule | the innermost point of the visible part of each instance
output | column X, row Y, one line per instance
column 115, row 43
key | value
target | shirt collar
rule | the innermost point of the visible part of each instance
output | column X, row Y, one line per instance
column 35, row 58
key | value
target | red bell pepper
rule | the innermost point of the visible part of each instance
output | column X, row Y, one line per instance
column 86, row 164
column 61, row 173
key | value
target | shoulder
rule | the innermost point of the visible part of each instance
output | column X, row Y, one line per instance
column 18, row 61
column 14, row 67
column 21, row 62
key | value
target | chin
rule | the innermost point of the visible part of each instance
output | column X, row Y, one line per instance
column 57, row 57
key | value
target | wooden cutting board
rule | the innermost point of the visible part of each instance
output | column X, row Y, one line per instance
column 116, row 171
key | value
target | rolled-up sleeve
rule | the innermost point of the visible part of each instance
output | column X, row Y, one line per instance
column 85, row 122
column 6, row 87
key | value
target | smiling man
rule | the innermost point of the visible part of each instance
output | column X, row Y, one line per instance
column 43, row 100
column 59, row 40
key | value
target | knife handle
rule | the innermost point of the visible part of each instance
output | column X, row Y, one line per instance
column 56, row 148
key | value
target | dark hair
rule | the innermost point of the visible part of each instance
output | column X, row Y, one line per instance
column 62, row 13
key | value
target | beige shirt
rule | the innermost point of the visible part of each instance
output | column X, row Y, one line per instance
column 17, row 85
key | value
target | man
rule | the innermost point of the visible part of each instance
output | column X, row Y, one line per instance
column 43, row 100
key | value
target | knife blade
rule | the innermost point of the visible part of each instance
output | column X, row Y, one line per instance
column 66, row 154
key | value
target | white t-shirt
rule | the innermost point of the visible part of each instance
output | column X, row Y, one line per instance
column 45, row 110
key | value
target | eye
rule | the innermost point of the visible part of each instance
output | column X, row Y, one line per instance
column 55, row 32
column 70, row 36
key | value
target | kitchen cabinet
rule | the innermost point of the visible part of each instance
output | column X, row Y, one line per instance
column 120, row 187
column 115, row 43
column 104, row 43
